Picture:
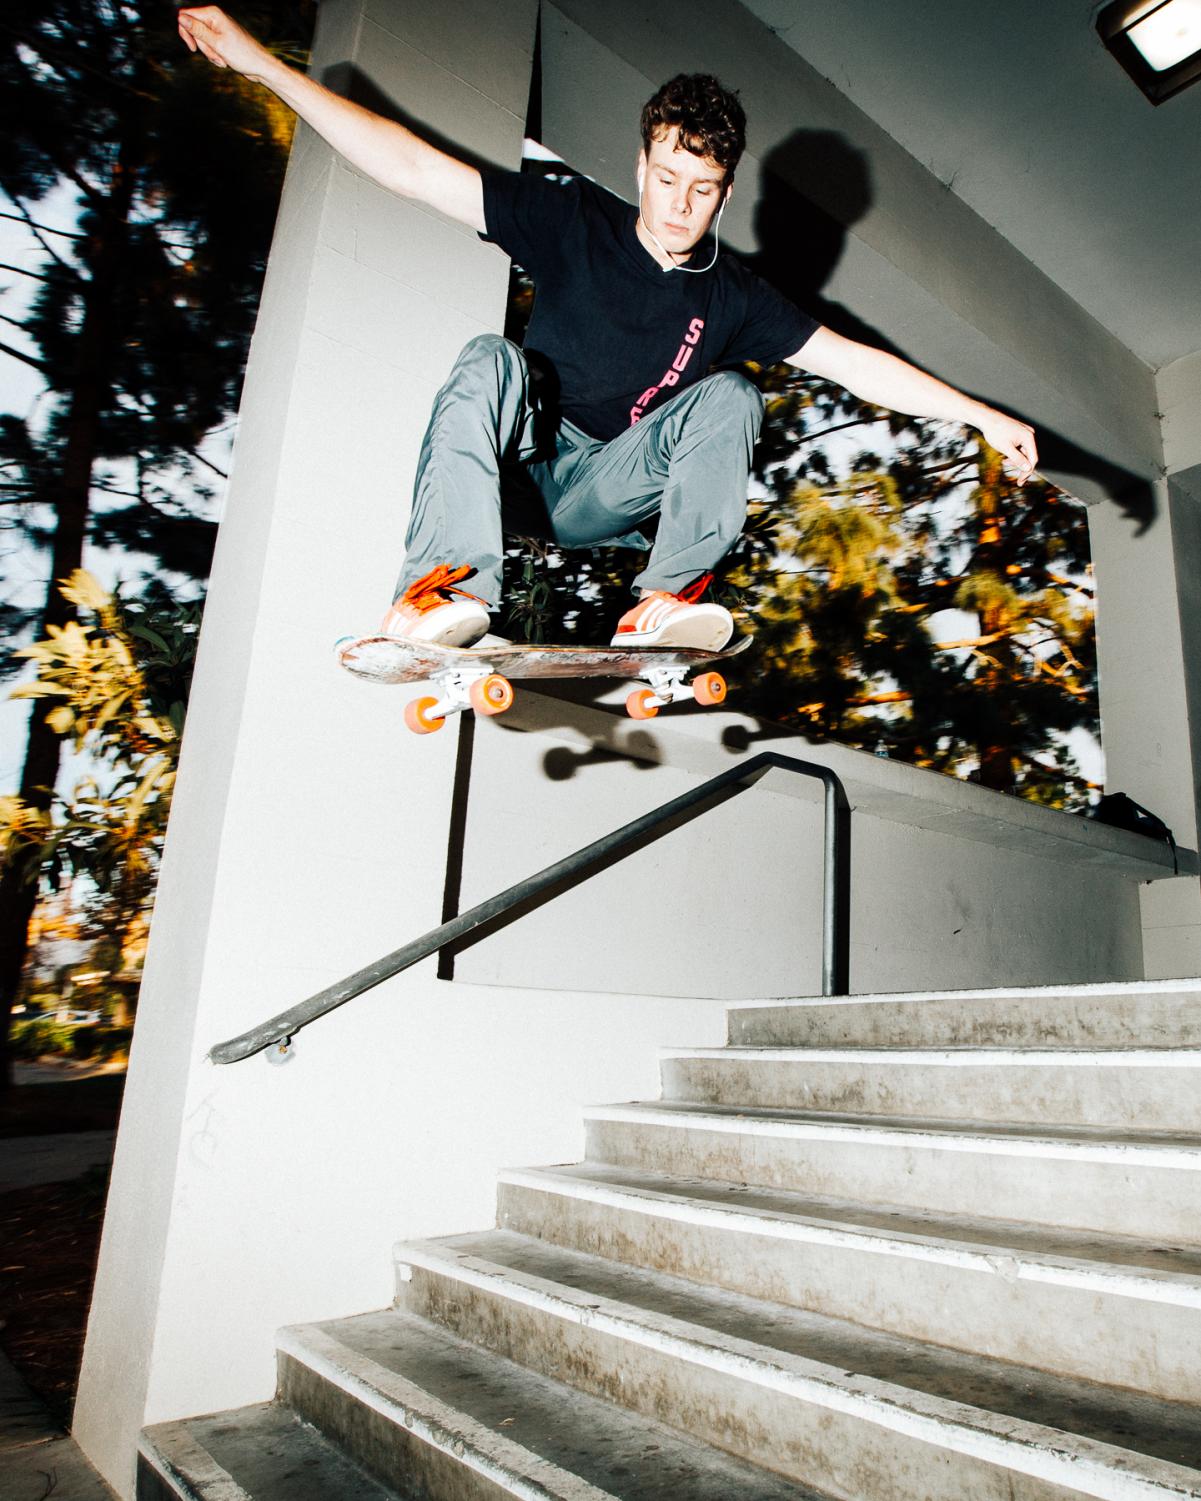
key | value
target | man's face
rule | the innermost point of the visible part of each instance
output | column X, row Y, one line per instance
column 680, row 192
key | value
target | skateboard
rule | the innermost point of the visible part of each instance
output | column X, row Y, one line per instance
column 477, row 677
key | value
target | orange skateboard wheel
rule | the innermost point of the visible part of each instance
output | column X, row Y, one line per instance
column 418, row 717
column 639, row 705
column 491, row 695
column 709, row 688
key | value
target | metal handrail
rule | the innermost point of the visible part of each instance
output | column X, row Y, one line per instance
column 584, row 863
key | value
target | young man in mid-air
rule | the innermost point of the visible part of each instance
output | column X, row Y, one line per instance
column 636, row 312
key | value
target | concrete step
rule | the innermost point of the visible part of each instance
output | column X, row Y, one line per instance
column 1104, row 1309
column 1153, row 1014
column 1100, row 1182
column 447, row 1421
column 261, row 1453
column 1122, row 1089
column 853, row 1412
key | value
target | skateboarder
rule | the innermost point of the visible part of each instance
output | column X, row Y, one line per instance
column 614, row 412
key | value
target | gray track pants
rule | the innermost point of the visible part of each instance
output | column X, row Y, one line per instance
column 481, row 473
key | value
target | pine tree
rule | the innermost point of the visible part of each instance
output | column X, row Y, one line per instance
column 142, row 314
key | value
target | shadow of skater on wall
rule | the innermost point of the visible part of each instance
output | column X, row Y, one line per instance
column 814, row 187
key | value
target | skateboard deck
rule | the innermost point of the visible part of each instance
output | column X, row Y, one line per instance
column 478, row 676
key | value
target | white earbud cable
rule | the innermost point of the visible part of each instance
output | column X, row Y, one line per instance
column 695, row 270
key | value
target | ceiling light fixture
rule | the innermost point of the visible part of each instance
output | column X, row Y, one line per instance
column 1158, row 42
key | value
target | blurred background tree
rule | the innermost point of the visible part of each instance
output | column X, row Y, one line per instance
column 116, row 678
column 141, row 314
column 909, row 598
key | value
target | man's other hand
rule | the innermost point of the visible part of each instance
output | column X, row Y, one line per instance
column 207, row 29
column 1013, row 440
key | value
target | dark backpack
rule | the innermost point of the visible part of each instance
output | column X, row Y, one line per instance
column 1122, row 812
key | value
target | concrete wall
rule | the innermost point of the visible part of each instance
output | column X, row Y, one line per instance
column 913, row 263
column 951, row 885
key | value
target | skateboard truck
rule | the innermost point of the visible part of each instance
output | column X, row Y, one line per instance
column 667, row 686
column 459, row 688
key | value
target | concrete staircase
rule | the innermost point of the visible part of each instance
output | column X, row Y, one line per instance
column 914, row 1248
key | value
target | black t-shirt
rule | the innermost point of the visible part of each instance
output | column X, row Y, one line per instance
column 622, row 334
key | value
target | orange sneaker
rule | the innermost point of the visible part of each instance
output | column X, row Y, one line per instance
column 434, row 610
column 662, row 619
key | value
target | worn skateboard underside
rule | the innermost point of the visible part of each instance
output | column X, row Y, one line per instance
column 386, row 659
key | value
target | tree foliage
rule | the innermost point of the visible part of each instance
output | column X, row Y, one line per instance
column 904, row 594
column 916, row 599
column 116, row 676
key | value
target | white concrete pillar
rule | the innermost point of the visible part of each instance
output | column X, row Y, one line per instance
column 1179, row 389
column 1146, row 580
column 308, row 833
column 1149, row 641
column 1172, row 913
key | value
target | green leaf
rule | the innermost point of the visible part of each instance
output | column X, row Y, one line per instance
column 144, row 633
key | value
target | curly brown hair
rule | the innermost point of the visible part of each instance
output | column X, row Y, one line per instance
column 710, row 119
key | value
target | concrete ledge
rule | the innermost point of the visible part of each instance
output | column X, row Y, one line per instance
column 708, row 743
column 952, row 886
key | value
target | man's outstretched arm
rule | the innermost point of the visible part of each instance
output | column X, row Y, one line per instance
column 384, row 150
column 886, row 381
